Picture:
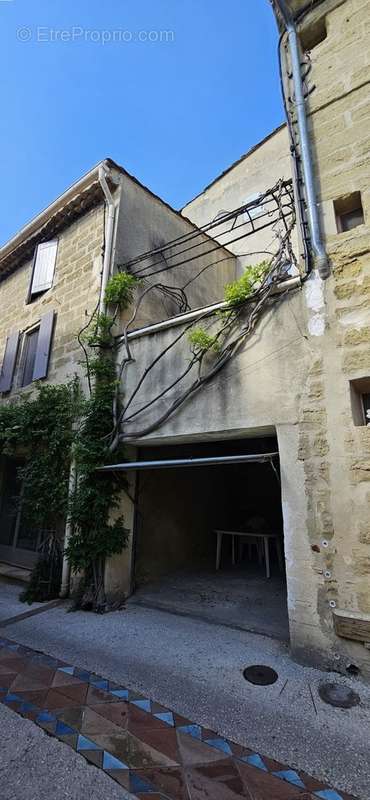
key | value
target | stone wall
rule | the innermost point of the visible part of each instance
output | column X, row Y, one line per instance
column 73, row 296
column 334, row 451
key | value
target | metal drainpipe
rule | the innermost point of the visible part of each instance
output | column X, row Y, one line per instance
column 320, row 257
column 103, row 172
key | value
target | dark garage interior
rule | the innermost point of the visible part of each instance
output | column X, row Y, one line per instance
column 178, row 511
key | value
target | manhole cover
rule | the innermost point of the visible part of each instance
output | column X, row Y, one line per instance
column 260, row 675
column 335, row 694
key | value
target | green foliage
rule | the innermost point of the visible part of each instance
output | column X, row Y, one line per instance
column 120, row 289
column 44, row 583
column 99, row 332
column 201, row 341
column 239, row 291
column 95, row 537
column 40, row 428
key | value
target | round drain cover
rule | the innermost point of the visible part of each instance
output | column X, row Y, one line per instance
column 335, row 694
column 260, row 675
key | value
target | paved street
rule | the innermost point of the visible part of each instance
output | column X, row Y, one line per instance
column 35, row 766
column 195, row 669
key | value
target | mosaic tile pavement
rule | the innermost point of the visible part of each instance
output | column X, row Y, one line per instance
column 152, row 752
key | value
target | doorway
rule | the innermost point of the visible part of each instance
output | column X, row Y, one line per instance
column 179, row 511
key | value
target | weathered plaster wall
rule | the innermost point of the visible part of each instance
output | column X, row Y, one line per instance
column 259, row 388
column 74, row 293
column 145, row 222
column 261, row 391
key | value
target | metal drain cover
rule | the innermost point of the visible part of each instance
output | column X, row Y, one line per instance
column 260, row 675
column 335, row 694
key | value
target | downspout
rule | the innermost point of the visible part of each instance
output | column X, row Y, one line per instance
column 320, row 257
column 66, row 568
column 109, row 233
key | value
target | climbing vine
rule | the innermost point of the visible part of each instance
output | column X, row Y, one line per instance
column 97, row 533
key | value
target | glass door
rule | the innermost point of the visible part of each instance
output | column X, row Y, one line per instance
column 18, row 542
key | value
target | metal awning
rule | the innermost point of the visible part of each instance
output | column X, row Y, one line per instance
column 211, row 461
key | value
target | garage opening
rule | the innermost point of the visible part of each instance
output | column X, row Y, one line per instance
column 209, row 539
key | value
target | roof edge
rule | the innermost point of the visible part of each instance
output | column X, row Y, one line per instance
column 38, row 221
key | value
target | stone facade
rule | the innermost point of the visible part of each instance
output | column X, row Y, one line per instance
column 73, row 295
column 334, row 450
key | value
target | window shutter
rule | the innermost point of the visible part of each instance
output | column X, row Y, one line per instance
column 43, row 270
column 40, row 369
column 10, row 356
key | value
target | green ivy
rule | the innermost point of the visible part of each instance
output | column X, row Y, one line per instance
column 49, row 427
column 95, row 535
column 39, row 427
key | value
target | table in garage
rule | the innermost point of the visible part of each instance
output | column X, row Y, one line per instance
column 252, row 535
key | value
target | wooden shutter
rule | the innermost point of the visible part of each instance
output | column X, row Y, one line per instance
column 43, row 269
column 10, row 357
column 40, row 369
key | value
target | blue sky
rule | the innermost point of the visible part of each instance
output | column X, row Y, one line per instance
column 174, row 113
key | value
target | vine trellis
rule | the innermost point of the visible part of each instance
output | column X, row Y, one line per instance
column 245, row 301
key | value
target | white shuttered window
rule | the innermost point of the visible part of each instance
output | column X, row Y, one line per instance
column 43, row 271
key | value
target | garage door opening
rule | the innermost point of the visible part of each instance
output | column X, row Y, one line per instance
column 209, row 539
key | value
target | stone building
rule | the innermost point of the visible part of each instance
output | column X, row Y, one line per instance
column 281, row 430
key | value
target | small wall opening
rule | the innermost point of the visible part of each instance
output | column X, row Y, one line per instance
column 313, row 34
column 360, row 401
column 348, row 212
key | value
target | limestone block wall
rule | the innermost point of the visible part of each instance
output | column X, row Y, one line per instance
column 335, row 452
column 73, row 296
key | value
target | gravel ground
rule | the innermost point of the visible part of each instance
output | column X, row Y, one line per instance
column 35, row 766
column 196, row 669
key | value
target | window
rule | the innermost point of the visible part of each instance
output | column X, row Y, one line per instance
column 33, row 363
column 29, row 356
column 313, row 34
column 366, row 406
column 348, row 212
column 43, row 268
column 360, row 401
